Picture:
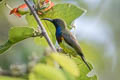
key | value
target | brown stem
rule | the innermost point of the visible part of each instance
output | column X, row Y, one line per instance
column 44, row 32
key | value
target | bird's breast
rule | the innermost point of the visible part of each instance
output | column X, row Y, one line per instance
column 59, row 34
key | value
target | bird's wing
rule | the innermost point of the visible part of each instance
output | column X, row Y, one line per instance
column 67, row 48
column 70, row 39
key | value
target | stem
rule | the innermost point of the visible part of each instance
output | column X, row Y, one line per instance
column 44, row 32
column 8, row 6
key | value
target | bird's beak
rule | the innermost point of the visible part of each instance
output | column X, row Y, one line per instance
column 48, row 19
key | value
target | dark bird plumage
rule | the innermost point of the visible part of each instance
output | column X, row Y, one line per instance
column 62, row 33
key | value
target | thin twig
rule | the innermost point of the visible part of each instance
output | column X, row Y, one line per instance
column 8, row 6
column 44, row 32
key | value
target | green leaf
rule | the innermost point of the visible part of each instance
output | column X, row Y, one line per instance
column 17, row 34
column 46, row 72
column 31, row 21
column 10, row 78
column 35, row 2
column 40, row 41
column 5, row 46
column 67, row 12
column 69, row 76
column 66, row 63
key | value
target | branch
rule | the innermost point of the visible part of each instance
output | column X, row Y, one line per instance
column 44, row 32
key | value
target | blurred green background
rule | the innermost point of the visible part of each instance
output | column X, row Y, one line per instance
column 97, row 31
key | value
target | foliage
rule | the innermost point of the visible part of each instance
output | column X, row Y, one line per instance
column 46, row 72
column 68, row 12
column 70, row 68
column 17, row 34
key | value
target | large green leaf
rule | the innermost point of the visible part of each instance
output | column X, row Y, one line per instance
column 66, row 63
column 17, row 34
column 40, row 41
column 67, row 12
column 46, row 72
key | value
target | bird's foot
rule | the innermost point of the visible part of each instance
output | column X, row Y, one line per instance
column 60, row 50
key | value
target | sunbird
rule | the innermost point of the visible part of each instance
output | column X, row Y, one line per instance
column 66, row 40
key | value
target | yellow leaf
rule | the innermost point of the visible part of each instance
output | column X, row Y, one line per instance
column 68, row 64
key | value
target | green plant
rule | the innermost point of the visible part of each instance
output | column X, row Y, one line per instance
column 45, row 69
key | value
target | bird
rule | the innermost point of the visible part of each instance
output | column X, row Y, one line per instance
column 65, row 38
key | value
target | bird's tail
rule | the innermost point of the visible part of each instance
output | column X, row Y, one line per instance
column 83, row 58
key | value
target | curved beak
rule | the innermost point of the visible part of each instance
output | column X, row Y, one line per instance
column 48, row 19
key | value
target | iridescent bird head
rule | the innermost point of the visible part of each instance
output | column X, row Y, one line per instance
column 57, row 22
